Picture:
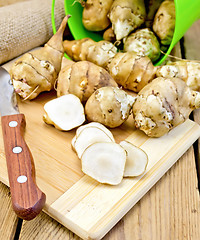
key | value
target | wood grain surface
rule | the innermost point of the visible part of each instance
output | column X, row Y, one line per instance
column 170, row 210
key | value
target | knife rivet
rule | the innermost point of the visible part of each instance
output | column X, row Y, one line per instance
column 17, row 150
column 13, row 124
column 22, row 179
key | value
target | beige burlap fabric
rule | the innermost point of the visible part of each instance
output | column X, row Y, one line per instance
column 8, row 2
column 26, row 25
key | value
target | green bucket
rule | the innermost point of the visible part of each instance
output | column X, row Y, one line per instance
column 187, row 12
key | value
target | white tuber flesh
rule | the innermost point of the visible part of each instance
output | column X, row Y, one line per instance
column 88, row 136
column 136, row 161
column 98, row 125
column 92, row 124
column 105, row 162
column 65, row 112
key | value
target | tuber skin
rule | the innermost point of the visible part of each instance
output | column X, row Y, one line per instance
column 82, row 79
column 126, row 16
column 164, row 22
column 152, row 7
column 188, row 71
column 86, row 49
column 37, row 71
column 128, row 69
column 95, row 13
column 131, row 71
column 144, row 43
column 109, row 106
column 163, row 104
column 109, row 35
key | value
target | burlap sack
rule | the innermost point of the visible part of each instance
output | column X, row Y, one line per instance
column 26, row 25
column 8, row 2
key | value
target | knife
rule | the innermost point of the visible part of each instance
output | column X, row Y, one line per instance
column 27, row 199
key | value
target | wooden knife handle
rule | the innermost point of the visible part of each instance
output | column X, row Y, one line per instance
column 27, row 199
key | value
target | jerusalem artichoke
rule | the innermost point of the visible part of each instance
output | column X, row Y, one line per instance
column 152, row 7
column 144, row 43
column 37, row 71
column 105, row 162
column 110, row 106
column 82, row 79
column 95, row 12
column 163, row 104
column 87, row 49
column 189, row 71
column 126, row 16
column 164, row 22
column 131, row 71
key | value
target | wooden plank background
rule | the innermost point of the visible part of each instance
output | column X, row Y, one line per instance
column 170, row 210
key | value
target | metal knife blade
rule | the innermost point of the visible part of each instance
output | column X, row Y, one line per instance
column 8, row 100
column 27, row 199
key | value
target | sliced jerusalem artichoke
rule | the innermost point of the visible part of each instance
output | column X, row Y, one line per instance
column 136, row 161
column 92, row 124
column 88, row 136
column 65, row 112
column 82, row 79
column 105, row 162
column 37, row 71
column 97, row 125
column 109, row 106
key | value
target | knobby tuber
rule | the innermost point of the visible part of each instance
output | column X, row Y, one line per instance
column 95, row 13
column 189, row 71
column 86, row 49
column 126, row 16
column 131, row 71
column 82, row 79
column 110, row 106
column 164, row 22
column 128, row 69
column 152, row 7
column 163, row 104
column 144, row 43
column 109, row 35
column 37, row 71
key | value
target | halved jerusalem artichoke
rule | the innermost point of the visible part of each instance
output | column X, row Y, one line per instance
column 105, row 162
column 136, row 161
column 110, row 106
column 65, row 112
column 88, row 136
column 37, row 71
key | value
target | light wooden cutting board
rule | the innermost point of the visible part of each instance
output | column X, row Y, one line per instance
column 86, row 207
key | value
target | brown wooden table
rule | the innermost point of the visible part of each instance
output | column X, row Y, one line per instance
column 170, row 210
